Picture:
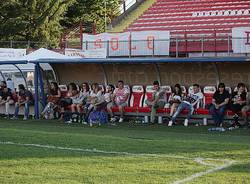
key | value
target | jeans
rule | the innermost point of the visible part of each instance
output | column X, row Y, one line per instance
column 26, row 109
column 180, row 108
column 217, row 114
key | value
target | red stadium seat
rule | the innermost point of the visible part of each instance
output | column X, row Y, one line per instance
column 148, row 96
column 136, row 98
column 185, row 19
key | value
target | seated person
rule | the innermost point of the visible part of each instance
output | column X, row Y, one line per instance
column 95, row 100
column 6, row 98
column 85, row 92
column 53, row 99
column 77, row 104
column 25, row 98
column 238, row 101
column 98, row 113
column 188, row 103
column 108, row 94
column 119, row 98
column 175, row 99
column 219, row 104
column 158, row 100
column 66, row 101
column 245, row 109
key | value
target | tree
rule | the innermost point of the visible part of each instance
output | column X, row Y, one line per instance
column 34, row 20
column 91, row 11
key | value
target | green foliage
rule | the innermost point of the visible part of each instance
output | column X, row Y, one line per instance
column 45, row 20
column 90, row 12
column 36, row 20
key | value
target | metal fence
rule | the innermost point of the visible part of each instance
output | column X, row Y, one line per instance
column 23, row 44
column 175, row 47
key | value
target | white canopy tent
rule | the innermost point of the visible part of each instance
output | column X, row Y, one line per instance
column 36, row 55
column 21, row 73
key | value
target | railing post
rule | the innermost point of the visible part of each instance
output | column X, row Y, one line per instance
column 124, row 6
column 176, row 47
column 107, row 48
column 28, row 44
column 153, row 53
column 11, row 44
column 130, row 48
column 202, row 46
column 86, row 45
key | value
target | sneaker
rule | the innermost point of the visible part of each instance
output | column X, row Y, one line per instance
column 112, row 119
column 186, row 122
column 170, row 123
column 84, row 122
column 90, row 124
column 69, row 122
column 120, row 120
column 14, row 118
column 25, row 118
column 7, row 116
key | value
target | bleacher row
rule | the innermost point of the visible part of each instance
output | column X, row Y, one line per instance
column 185, row 19
column 139, row 94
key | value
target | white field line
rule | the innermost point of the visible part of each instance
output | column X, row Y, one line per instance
column 227, row 163
column 197, row 175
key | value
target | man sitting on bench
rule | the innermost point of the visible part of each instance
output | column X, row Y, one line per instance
column 6, row 98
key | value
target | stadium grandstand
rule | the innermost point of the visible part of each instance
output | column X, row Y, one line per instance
column 161, row 96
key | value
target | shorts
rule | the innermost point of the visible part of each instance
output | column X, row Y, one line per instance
column 113, row 104
column 245, row 108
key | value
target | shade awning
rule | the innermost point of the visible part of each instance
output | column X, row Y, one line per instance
column 143, row 60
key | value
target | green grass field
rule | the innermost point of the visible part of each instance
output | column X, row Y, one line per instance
column 53, row 152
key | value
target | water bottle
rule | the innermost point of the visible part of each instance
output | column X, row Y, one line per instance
column 160, row 120
column 212, row 129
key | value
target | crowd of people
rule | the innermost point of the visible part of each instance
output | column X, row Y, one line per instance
column 91, row 104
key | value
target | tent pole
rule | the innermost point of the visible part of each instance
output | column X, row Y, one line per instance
column 36, row 92
column 1, row 73
column 40, row 78
column 24, row 78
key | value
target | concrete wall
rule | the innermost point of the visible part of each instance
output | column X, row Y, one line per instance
column 171, row 73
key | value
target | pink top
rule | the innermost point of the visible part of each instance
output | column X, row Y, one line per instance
column 121, row 95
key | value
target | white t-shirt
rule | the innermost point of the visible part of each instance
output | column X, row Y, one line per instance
column 107, row 97
column 10, row 84
column 77, row 99
column 97, row 95
column 192, row 98
column 120, row 95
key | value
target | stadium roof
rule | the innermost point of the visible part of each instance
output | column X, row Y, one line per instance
column 12, row 61
column 143, row 60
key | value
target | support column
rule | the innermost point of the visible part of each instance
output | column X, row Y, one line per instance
column 36, row 92
column 40, row 78
column 1, row 73
column 158, row 74
column 217, row 72
column 24, row 78
column 104, row 75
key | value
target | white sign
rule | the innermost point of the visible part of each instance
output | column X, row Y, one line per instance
column 94, row 53
column 6, row 54
column 141, row 43
column 241, row 40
